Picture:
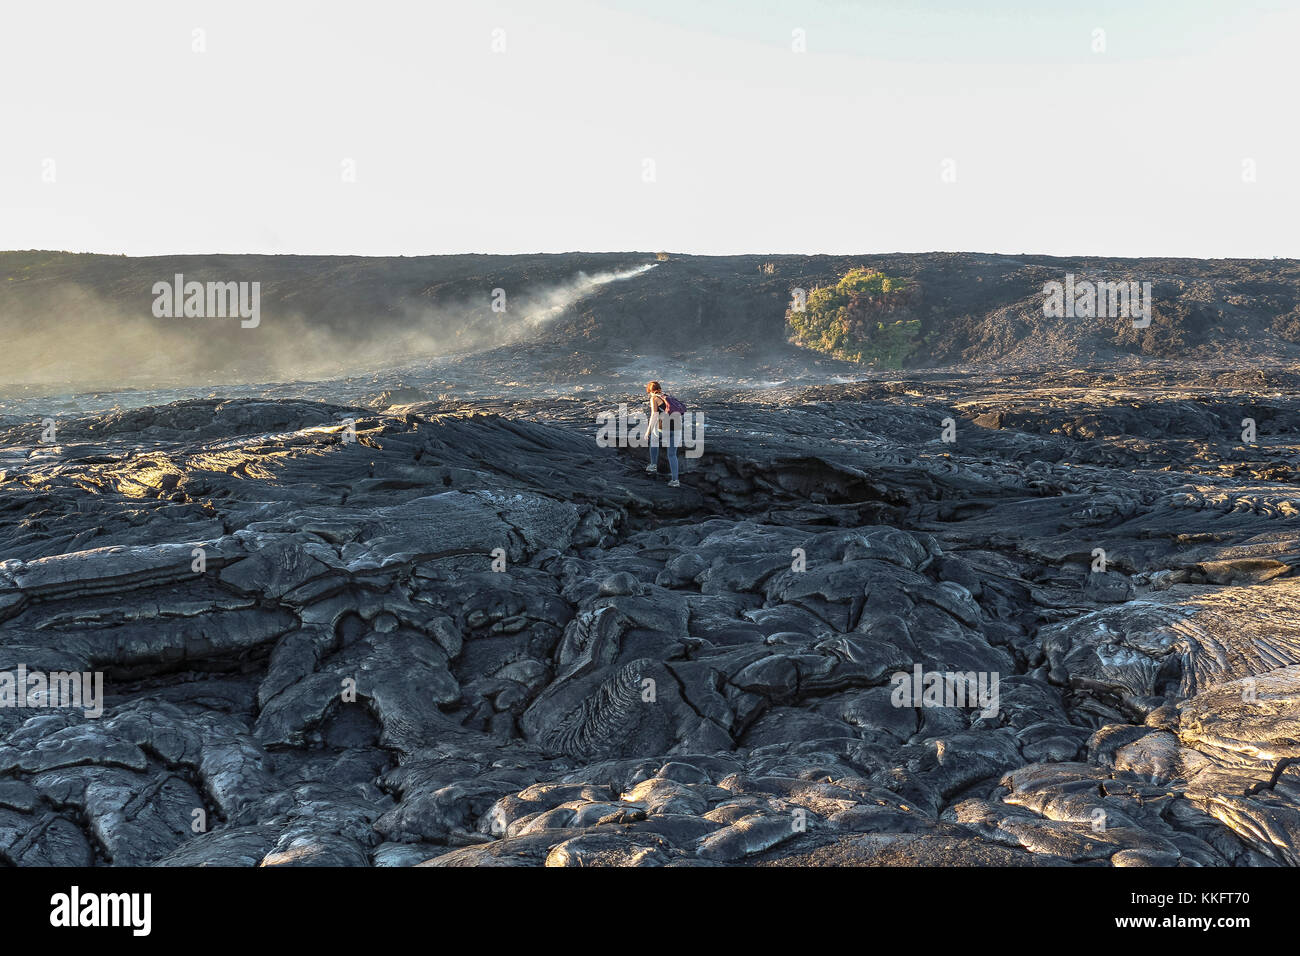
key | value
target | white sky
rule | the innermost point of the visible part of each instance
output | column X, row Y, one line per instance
column 1135, row 151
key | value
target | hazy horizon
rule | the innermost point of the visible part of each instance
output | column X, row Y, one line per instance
column 757, row 254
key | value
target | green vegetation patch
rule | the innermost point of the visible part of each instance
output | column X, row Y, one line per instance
column 866, row 317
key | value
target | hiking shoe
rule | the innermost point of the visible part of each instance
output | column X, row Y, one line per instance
column 674, row 484
column 652, row 468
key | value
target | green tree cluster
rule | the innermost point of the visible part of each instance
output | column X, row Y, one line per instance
column 866, row 316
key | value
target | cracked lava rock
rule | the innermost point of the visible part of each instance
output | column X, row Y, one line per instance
column 462, row 634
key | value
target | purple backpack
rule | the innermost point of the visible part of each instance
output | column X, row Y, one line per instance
column 675, row 407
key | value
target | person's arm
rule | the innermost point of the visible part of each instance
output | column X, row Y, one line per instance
column 653, row 411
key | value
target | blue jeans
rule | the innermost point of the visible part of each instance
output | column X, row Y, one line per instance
column 655, row 438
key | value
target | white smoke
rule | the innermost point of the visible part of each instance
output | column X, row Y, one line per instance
column 74, row 338
column 541, row 308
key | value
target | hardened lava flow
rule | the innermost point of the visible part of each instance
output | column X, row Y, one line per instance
column 433, row 634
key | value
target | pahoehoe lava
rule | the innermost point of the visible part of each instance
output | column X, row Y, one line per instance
column 456, row 631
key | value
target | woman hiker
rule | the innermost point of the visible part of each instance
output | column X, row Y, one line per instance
column 666, row 411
